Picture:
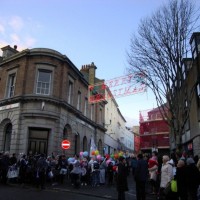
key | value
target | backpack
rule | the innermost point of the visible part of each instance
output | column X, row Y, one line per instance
column 96, row 165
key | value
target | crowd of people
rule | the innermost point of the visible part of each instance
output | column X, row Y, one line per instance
column 40, row 170
column 154, row 170
column 160, row 170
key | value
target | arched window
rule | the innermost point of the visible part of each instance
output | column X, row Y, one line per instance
column 7, row 141
column 84, row 143
column 77, row 143
column 66, row 132
column 100, row 148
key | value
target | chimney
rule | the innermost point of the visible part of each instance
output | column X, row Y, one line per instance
column 92, row 70
column 9, row 51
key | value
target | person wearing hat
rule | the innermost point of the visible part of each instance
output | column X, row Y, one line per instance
column 193, row 178
column 122, row 173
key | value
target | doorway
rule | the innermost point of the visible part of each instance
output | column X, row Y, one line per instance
column 38, row 141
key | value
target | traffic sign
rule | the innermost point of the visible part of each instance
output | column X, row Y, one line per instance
column 65, row 144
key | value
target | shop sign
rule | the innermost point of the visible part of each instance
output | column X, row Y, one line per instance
column 10, row 106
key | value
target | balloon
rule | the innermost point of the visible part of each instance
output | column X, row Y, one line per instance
column 114, row 168
column 113, row 162
column 99, row 157
column 81, row 153
column 107, row 156
column 112, row 155
column 116, row 156
column 71, row 160
column 108, row 161
column 85, row 154
column 93, row 153
column 120, row 154
column 96, row 152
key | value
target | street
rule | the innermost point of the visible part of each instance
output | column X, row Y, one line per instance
column 17, row 193
column 66, row 191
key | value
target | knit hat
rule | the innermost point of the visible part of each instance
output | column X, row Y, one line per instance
column 190, row 161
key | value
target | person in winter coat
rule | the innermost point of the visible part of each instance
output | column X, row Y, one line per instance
column 193, row 179
column 166, row 174
column 110, row 173
column 122, row 173
column 181, row 180
column 141, row 177
column 152, row 167
column 42, row 166
column 133, row 164
column 4, row 165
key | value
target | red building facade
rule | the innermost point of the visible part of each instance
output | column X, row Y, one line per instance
column 154, row 132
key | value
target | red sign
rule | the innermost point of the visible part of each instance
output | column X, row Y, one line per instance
column 65, row 144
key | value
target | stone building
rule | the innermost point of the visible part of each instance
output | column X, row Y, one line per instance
column 44, row 100
column 187, row 92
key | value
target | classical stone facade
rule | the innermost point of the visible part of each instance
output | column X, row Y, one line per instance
column 43, row 100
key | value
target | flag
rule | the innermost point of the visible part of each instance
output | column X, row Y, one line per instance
column 93, row 146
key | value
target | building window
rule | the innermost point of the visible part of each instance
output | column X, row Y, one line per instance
column 86, row 107
column 11, row 85
column 92, row 112
column 66, row 132
column 8, row 133
column 100, row 116
column 70, row 92
column 43, row 82
column 79, row 101
column 84, row 143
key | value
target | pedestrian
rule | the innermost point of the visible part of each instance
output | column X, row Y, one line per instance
column 133, row 164
column 193, row 179
column 76, row 172
column 152, row 167
column 4, row 166
column 22, row 169
column 110, row 173
column 122, row 173
column 181, row 180
column 62, row 165
column 102, row 173
column 95, row 172
column 141, row 177
column 166, row 176
column 42, row 166
column 84, row 172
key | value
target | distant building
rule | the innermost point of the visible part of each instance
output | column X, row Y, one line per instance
column 44, row 100
column 117, row 137
column 136, row 139
column 154, row 132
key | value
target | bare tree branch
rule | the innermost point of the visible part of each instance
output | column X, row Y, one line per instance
column 157, row 51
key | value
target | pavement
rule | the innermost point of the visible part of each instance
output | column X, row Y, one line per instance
column 102, row 191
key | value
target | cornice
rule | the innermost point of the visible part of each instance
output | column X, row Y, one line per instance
column 57, row 102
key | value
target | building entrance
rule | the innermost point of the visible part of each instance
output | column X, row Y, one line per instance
column 38, row 141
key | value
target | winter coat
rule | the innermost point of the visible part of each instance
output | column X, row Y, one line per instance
column 181, row 181
column 166, row 174
column 122, row 184
column 141, row 171
column 193, row 176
